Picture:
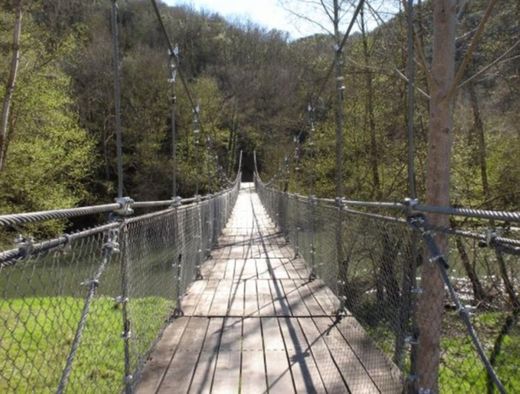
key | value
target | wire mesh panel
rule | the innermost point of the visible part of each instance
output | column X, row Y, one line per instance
column 44, row 299
column 399, row 298
column 81, row 313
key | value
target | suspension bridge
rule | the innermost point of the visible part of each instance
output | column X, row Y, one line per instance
column 254, row 289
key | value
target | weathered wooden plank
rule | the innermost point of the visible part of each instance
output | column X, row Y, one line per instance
column 230, row 269
column 203, row 375
column 227, row 371
column 239, row 270
column 250, row 298
column 313, row 306
column 263, row 270
column 279, row 269
column 294, row 300
column 160, row 359
column 253, row 366
column 236, row 301
column 279, row 378
column 219, row 306
column 300, row 267
column 318, row 290
column 218, row 270
column 250, row 269
column 354, row 373
column 329, row 373
column 178, row 376
column 265, row 299
column 304, row 371
column 384, row 373
column 279, row 301
column 191, row 299
column 206, row 299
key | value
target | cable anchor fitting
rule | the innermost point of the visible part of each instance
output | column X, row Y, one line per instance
column 25, row 245
column 125, row 208
column 176, row 202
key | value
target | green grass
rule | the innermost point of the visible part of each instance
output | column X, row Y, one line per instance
column 36, row 335
column 461, row 370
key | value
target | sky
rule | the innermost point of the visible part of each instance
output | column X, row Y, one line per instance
column 268, row 13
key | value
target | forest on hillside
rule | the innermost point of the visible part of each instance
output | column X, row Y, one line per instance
column 254, row 87
column 321, row 119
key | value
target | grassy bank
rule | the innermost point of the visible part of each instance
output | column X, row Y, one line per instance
column 461, row 370
column 37, row 333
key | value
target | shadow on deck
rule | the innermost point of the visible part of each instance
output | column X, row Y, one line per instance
column 255, row 324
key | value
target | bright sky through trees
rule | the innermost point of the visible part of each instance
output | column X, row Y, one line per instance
column 304, row 19
column 268, row 13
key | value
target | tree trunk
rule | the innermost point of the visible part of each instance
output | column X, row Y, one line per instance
column 478, row 291
column 11, row 83
column 478, row 128
column 430, row 304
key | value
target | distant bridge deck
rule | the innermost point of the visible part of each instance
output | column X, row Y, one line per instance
column 255, row 324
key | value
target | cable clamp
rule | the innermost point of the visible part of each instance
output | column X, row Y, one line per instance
column 410, row 202
column 90, row 283
column 197, row 198
column 434, row 259
column 176, row 202
column 25, row 245
column 126, row 335
column 112, row 246
column 119, row 300
column 411, row 340
column 129, row 379
column 125, row 204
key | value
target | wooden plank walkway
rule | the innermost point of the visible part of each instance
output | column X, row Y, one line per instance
column 255, row 324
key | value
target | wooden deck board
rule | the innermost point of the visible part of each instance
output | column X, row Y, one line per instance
column 179, row 373
column 278, row 372
column 253, row 365
column 254, row 324
column 203, row 375
column 304, row 370
column 227, row 370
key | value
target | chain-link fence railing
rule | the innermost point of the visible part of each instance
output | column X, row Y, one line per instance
column 81, row 312
column 413, row 321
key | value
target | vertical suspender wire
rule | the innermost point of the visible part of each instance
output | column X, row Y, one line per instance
column 117, row 97
column 173, row 80
column 312, row 199
column 408, row 304
column 410, row 71
column 119, row 152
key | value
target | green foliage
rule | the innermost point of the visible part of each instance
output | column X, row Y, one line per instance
column 50, row 157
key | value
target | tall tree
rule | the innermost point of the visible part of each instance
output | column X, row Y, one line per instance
column 430, row 306
column 11, row 82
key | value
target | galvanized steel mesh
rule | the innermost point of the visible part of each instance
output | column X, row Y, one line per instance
column 81, row 315
column 373, row 261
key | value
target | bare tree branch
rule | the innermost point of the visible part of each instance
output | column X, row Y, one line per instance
column 472, row 47
column 421, row 58
column 484, row 69
column 327, row 11
column 306, row 18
